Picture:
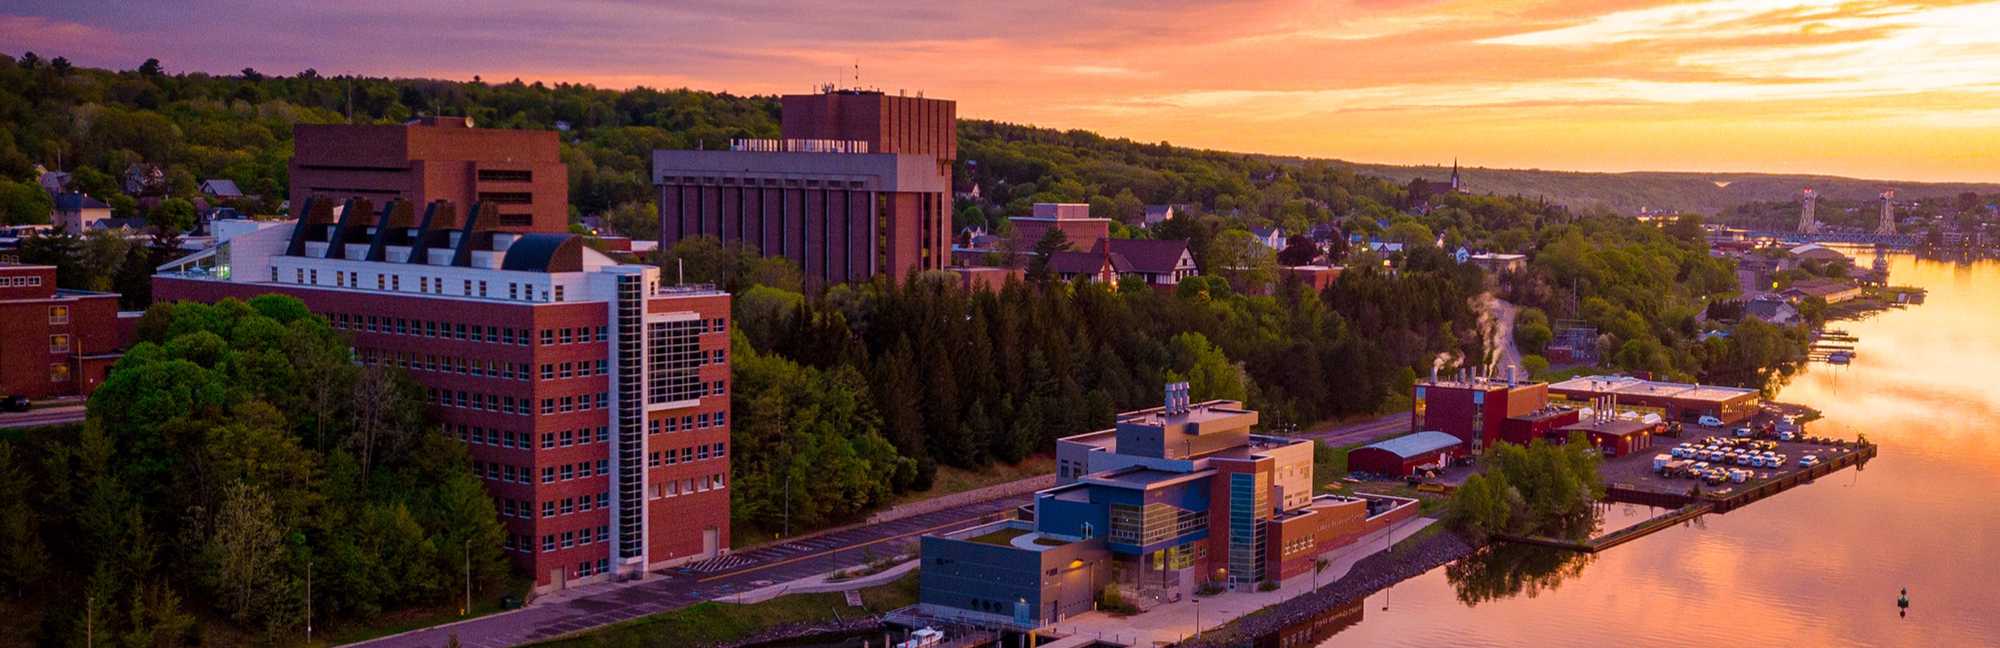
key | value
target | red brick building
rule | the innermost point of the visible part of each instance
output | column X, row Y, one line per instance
column 56, row 342
column 1474, row 408
column 519, row 172
column 859, row 186
column 592, row 395
column 1072, row 218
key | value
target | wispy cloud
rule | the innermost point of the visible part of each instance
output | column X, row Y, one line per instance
column 1882, row 87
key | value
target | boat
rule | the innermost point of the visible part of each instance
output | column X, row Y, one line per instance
column 923, row 638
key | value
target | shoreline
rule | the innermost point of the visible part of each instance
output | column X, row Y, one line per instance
column 1372, row 574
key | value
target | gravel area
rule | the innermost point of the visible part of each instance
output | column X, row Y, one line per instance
column 1372, row 574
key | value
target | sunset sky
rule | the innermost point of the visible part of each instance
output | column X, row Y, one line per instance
column 1893, row 90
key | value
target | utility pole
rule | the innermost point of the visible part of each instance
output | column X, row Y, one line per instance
column 468, row 578
column 309, row 600
column 788, row 502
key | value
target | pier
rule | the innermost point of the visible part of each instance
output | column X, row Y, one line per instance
column 1688, row 502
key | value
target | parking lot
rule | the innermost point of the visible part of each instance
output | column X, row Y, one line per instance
column 1636, row 471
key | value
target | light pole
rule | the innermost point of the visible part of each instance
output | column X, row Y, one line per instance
column 468, row 579
column 309, row 600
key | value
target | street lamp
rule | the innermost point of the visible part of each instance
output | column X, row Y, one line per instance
column 468, row 578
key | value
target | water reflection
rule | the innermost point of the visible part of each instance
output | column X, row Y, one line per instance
column 1818, row 565
column 1506, row 570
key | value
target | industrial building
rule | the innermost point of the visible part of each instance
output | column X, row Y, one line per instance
column 1403, row 455
column 593, row 396
column 1673, row 401
column 518, row 172
column 1171, row 498
column 858, row 186
column 1478, row 408
column 57, row 342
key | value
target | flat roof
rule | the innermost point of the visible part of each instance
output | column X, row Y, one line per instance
column 1100, row 438
column 1619, row 427
column 1143, row 478
column 1416, row 444
column 1629, row 386
column 1202, row 412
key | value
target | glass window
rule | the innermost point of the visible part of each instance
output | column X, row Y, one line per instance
column 58, row 314
column 59, row 343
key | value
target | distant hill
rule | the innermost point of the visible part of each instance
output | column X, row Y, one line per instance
column 1707, row 193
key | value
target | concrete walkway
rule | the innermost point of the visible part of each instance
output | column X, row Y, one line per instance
column 1174, row 622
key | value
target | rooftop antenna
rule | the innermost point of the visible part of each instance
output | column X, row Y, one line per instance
column 680, row 272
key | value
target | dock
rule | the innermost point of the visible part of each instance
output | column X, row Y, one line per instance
column 1688, row 503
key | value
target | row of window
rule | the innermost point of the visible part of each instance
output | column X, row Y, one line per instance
column 526, row 543
column 468, row 332
column 578, row 369
column 676, row 487
column 509, row 473
column 578, row 403
column 478, row 401
column 689, row 422
column 426, row 284
column 447, row 364
column 21, row 282
column 524, row 509
column 689, row 454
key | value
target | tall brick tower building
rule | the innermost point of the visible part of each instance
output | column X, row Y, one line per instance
column 857, row 186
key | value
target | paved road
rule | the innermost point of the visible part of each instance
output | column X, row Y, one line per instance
column 1363, row 431
column 602, row 604
column 44, row 416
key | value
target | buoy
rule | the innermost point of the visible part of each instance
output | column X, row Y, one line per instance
column 1903, row 602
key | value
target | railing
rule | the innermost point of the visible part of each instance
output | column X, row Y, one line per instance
column 799, row 145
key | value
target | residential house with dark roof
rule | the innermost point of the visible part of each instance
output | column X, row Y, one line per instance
column 221, row 189
column 1159, row 263
column 1156, row 214
column 76, row 212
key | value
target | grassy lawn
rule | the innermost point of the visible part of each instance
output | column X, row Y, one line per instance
column 1330, row 464
column 411, row 619
column 710, row 623
column 958, row 480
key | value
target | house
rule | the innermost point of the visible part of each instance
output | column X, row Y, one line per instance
column 1159, row 263
column 1832, row 291
column 221, row 189
column 1817, row 252
column 1775, row 311
column 142, row 179
column 1499, row 263
column 54, row 182
column 76, row 212
column 1096, row 267
column 1156, row 214
column 1270, row 237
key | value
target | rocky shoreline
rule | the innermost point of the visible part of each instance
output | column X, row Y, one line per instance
column 792, row 631
column 1372, row 574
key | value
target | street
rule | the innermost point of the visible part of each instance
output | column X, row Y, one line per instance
column 1362, row 431
column 601, row 604
column 43, row 416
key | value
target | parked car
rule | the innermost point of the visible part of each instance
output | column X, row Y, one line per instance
column 1715, row 476
column 1786, row 436
column 1739, row 476
column 1709, row 421
column 14, row 404
column 1744, row 433
column 1808, row 461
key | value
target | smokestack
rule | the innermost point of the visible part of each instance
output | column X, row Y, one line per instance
column 1434, row 373
column 1511, row 379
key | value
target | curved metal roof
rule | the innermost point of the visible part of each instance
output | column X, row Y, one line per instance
column 1411, row 446
column 545, row 252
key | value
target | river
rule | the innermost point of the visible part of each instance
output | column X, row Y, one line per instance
column 1819, row 565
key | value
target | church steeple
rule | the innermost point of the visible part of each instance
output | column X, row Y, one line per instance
column 1455, row 186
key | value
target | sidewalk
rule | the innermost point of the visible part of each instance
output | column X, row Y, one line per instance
column 1173, row 622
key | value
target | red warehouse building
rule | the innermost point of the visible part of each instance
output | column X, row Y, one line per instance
column 57, row 342
column 1402, row 455
column 592, row 395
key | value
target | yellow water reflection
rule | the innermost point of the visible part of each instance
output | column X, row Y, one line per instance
column 1818, row 565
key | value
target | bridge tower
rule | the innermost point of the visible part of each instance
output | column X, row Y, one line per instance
column 1807, row 200
column 1888, row 225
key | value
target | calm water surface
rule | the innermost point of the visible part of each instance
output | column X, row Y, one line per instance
column 1818, row 565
